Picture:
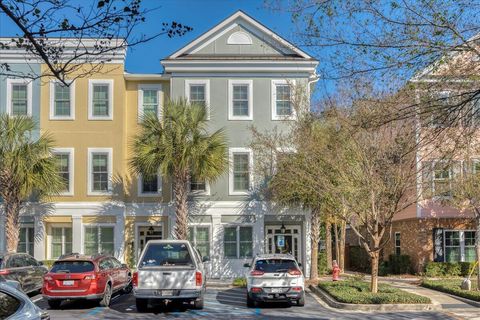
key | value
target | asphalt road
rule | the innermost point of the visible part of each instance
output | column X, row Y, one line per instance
column 219, row 304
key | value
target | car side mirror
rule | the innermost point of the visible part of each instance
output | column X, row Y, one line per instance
column 299, row 264
column 205, row 259
column 246, row 265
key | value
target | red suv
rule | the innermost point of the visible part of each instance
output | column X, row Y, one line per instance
column 78, row 276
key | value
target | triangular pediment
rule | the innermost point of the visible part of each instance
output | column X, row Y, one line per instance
column 239, row 36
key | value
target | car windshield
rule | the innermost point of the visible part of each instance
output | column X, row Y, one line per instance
column 275, row 265
column 72, row 267
column 166, row 254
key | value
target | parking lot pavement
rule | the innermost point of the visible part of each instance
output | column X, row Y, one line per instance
column 225, row 303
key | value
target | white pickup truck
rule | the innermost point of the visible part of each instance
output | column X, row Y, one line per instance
column 169, row 270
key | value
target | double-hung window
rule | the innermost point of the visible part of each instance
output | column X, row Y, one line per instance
column 61, row 241
column 198, row 186
column 197, row 92
column 469, row 246
column 149, row 100
column 26, row 240
column 397, row 244
column 19, row 97
column 100, row 170
column 282, row 107
column 149, row 185
column 238, row 242
column 64, row 160
column 98, row 239
column 442, row 178
column 62, row 101
column 240, row 101
column 199, row 236
column 100, row 104
column 240, row 177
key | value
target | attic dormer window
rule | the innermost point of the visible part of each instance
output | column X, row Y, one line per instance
column 239, row 37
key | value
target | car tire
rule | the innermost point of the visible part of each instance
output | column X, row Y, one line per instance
column 54, row 304
column 250, row 302
column 107, row 296
column 198, row 304
column 301, row 301
column 141, row 304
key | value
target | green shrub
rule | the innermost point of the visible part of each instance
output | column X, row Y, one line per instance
column 400, row 264
column 359, row 293
column 452, row 286
column 384, row 268
column 239, row 282
column 448, row 269
column 359, row 259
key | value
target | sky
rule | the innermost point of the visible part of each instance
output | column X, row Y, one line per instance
column 199, row 14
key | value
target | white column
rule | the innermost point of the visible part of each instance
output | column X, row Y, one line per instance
column 259, row 232
column 40, row 238
column 77, row 236
column 216, row 246
column 119, row 241
column 2, row 232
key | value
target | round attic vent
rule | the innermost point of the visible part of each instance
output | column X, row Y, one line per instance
column 239, row 37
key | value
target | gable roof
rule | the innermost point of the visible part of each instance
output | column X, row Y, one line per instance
column 247, row 22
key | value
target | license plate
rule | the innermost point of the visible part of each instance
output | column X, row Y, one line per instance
column 277, row 290
column 164, row 293
column 68, row 282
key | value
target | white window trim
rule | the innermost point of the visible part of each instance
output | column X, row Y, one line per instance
column 237, row 226
column 231, row 152
column 52, row 101
column 110, row 84
column 71, row 167
column 140, row 192
column 230, row 99
column 204, row 82
column 91, row 151
column 85, row 225
column 290, row 83
column 50, row 238
column 145, row 86
column 10, row 82
column 462, row 243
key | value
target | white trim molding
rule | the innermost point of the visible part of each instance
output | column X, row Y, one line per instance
column 52, row 101
column 231, row 83
column 231, row 152
column 10, row 82
column 110, row 83
column 149, row 86
column 204, row 82
column 291, row 84
column 140, row 191
column 71, row 168
column 91, row 151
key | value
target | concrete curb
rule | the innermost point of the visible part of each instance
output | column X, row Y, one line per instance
column 372, row 307
column 467, row 301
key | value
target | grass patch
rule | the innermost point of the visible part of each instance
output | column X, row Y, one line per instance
column 358, row 292
column 240, row 282
column 452, row 286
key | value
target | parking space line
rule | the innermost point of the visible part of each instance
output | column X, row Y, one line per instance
column 37, row 299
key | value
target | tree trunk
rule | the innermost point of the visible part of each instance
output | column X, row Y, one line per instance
column 337, row 244
column 314, row 236
column 328, row 243
column 477, row 248
column 181, row 209
column 343, row 231
column 374, row 281
column 12, row 226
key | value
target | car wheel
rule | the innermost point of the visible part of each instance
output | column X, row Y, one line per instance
column 128, row 288
column 301, row 301
column 141, row 304
column 250, row 302
column 54, row 304
column 198, row 304
column 107, row 296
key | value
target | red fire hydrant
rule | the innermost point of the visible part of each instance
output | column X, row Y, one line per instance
column 335, row 271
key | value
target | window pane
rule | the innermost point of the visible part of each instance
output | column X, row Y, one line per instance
column 63, row 160
column 469, row 238
column 8, row 305
column 470, row 255
column 150, row 101
column 150, row 184
column 100, row 100
column 106, row 240
column 452, row 238
column 283, row 102
column 19, row 99
column 197, row 184
column 91, row 240
column 245, row 233
column 240, row 100
column 197, row 94
column 100, row 172
column 230, row 250
column 241, row 174
column 202, row 234
column 452, row 254
column 62, row 100
column 230, row 234
column 246, row 250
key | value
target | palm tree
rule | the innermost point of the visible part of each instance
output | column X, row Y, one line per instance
column 179, row 146
column 27, row 168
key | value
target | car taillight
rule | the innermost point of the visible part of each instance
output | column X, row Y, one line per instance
column 298, row 289
column 256, row 290
column 89, row 277
column 198, row 278
column 4, row 272
column 256, row 273
column 294, row 272
column 47, row 278
column 135, row 279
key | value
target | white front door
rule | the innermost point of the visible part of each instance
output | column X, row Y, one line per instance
column 287, row 242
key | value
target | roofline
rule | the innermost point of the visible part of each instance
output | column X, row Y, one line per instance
column 228, row 20
column 146, row 76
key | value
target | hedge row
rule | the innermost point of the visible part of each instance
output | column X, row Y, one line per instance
column 358, row 292
column 452, row 286
column 448, row 269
